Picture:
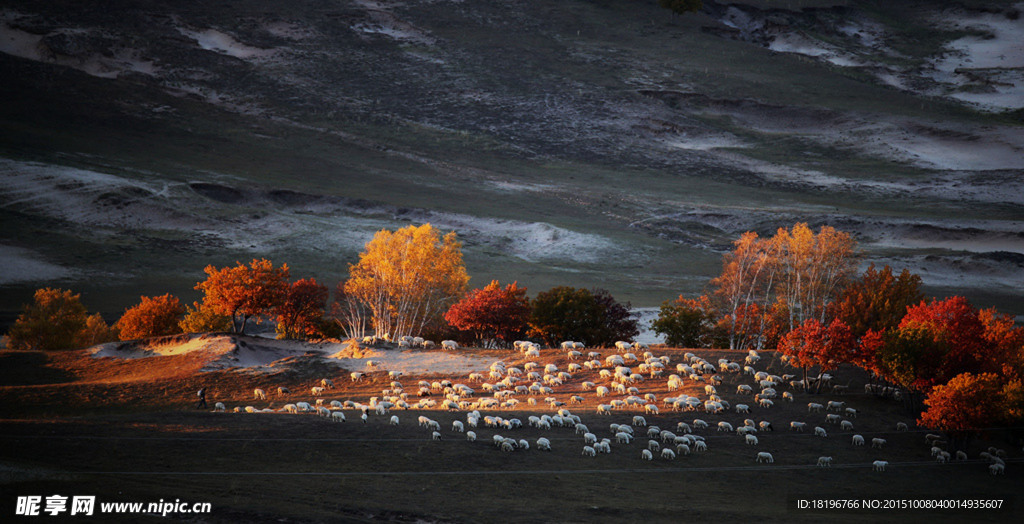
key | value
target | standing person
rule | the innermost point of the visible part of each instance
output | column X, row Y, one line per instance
column 202, row 398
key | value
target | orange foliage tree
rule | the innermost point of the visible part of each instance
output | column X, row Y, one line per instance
column 152, row 317
column 494, row 315
column 407, row 279
column 877, row 301
column 302, row 310
column 56, row 319
column 794, row 275
column 244, row 291
column 967, row 403
column 813, row 344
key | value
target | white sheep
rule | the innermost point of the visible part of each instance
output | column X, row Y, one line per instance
column 327, row 383
column 219, row 406
column 471, row 436
column 449, row 345
column 835, row 405
column 815, row 407
column 639, row 421
column 725, row 427
column 622, row 437
column 316, row 390
column 765, row 403
column 589, row 438
column 699, row 424
column 742, row 408
column 846, row 425
column 394, row 420
column 543, row 444
column 960, row 455
column 337, row 416
column 283, row 391
column 943, row 457
column 997, row 469
column 764, row 456
column 651, row 409
column 683, row 427
column 646, row 454
column 259, row 394
column 879, row 465
column 589, row 451
column 858, row 440
column 820, row 431
column 356, row 376
column 902, row 426
column 877, row 443
column 668, row 454
column 435, row 435
column 787, row 396
column 824, row 462
column 653, row 445
column 750, row 439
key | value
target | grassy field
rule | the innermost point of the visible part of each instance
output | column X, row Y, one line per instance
column 126, row 430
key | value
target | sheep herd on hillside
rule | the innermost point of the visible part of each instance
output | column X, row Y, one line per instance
column 556, row 384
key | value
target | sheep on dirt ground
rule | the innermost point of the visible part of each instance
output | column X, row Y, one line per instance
column 219, row 406
column 846, row 425
column 699, row 424
column 997, row 469
column 646, row 455
column 902, row 426
column 764, row 456
column 283, row 390
column 877, row 443
column 683, row 427
column 879, row 465
column 327, row 383
column 820, row 431
column 259, row 394
column 798, row 426
column 589, row 451
column 394, row 420
column 824, row 462
column 668, row 454
column 622, row 437
column 543, row 444
column 639, row 421
column 960, row 455
column 815, row 407
column 471, row 436
column 764, row 425
column 943, row 457
column 750, row 439
column 742, row 408
column 700, row 446
column 858, row 440
column 356, row 376
column 337, row 416
column 725, row 426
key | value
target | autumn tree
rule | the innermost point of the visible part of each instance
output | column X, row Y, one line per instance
column 877, row 301
column 813, row 344
column 351, row 314
column 688, row 323
column 494, row 315
column 408, row 278
column 967, row 403
column 813, row 269
column 591, row 317
column 200, row 318
column 151, row 317
column 746, row 285
column 244, row 291
column 301, row 313
column 56, row 319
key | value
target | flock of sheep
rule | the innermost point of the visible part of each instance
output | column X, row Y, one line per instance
column 615, row 389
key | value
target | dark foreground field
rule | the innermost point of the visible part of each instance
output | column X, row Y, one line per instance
column 302, row 468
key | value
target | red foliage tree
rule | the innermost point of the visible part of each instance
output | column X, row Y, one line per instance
column 815, row 345
column 494, row 315
column 877, row 301
column 152, row 317
column 244, row 291
column 966, row 404
column 301, row 313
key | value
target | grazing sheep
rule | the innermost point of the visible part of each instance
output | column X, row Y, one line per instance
column 765, row 426
column 683, row 427
column 337, row 416
column 832, row 418
column 316, row 390
column 997, row 469
column 639, row 421
column 219, row 406
column 943, row 457
column 877, row 443
column 543, row 444
column 820, row 431
column 449, row 345
column 765, row 403
column 764, row 456
column 846, row 425
column 589, row 438
column 835, row 405
column 787, row 396
column 283, row 390
column 326, row 383
column 700, row 445
column 742, row 408
column 471, row 436
column 725, row 426
column 879, row 465
column 363, row 418
column 651, row 409
column 902, row 426
column 960, row 455
column 653, row 445
column 668, row 454
column 815, row 407
column 699, row 424
column 589, row 451
column 622, row 437
column 394, row 420
column 259, row 394
column 750, row 440
column 682, row 449
column 356, row 376
column 824, row 462
column 858, row 440
column 646, row 454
